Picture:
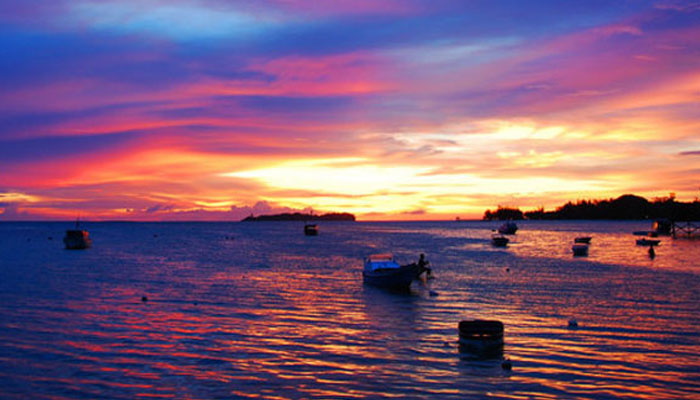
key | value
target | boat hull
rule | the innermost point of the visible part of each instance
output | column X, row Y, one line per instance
column 647, row 242
column 393, row 278
column 499, row 241
column 580, row 250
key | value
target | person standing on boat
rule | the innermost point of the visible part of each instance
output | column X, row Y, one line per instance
column 423, row 265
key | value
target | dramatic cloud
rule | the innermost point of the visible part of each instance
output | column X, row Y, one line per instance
column 415, row 109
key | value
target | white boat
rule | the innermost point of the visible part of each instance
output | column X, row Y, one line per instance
column 382, row 270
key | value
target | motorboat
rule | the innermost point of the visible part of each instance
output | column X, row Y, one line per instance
column 499, row 241
column 648, row 242
column 382, row 270
column 583, row 239
column 580, row 249
column 310, row 229
column 508, row 228
column 77, row 239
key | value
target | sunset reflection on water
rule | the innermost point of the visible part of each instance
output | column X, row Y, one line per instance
column 275, row 314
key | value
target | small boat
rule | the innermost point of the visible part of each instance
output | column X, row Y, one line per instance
column 641, row 233
column 77, row 239
column 310, row 229
column 381, row 270
column 480, row 335
column 580, row 249
column 583, row 239
column 508, row 228
column 648, row 242
column 499, row 241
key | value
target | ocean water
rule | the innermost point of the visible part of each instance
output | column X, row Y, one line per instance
column 258, row 310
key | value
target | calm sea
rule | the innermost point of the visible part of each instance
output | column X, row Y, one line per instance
column 258, row 310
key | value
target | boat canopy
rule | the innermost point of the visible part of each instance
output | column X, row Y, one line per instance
column 380, row 261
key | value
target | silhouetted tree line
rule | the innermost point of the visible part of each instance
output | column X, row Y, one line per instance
column 302, row 217
column 624, row 207
column 504, row 214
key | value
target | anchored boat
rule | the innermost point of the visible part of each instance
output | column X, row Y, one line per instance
column 508, row 228
column 77, row 239
column 310, row 229
column 381, row 270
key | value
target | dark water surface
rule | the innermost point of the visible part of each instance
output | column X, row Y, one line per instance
column 275, row 314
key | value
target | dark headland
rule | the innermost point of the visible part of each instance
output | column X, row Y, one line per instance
column 626, row 207
column 302, row 217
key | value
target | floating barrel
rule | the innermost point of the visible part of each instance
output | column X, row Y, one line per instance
column 481, row 335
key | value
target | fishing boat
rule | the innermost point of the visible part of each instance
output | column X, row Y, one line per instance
column 583, row 239
column 499, row 241
column 580, row 249
column 77, row 239
column 310, row 229
column 508, row 228
column 382, row 270
column 648, row 242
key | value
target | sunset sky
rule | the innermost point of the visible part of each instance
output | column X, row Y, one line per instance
column 399, row 109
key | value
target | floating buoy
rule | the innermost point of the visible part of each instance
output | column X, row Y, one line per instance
column 481, row 335
column 433, row 293
column 144, row 299
column 446, row 344
column 507, row 364
column 507, row 269
column 573, row 323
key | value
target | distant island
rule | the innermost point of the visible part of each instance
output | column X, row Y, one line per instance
column 302, row 217
column 626, row 207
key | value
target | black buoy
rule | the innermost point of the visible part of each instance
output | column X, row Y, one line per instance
column 433, row 293
column 652, row 253
column 144, row 299
column 507, row 364
column 507, row 269
column 573, row 323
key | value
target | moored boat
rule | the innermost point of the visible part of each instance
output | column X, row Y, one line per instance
column 310, row 229
column 583, row 239
column 580, row 249
column 499, row 241
column 381, row 270
column 508, row 228
column 77, row 239
column 648, row 242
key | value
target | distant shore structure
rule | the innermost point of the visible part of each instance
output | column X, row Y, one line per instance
column 689, row 229
column 301, row 217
